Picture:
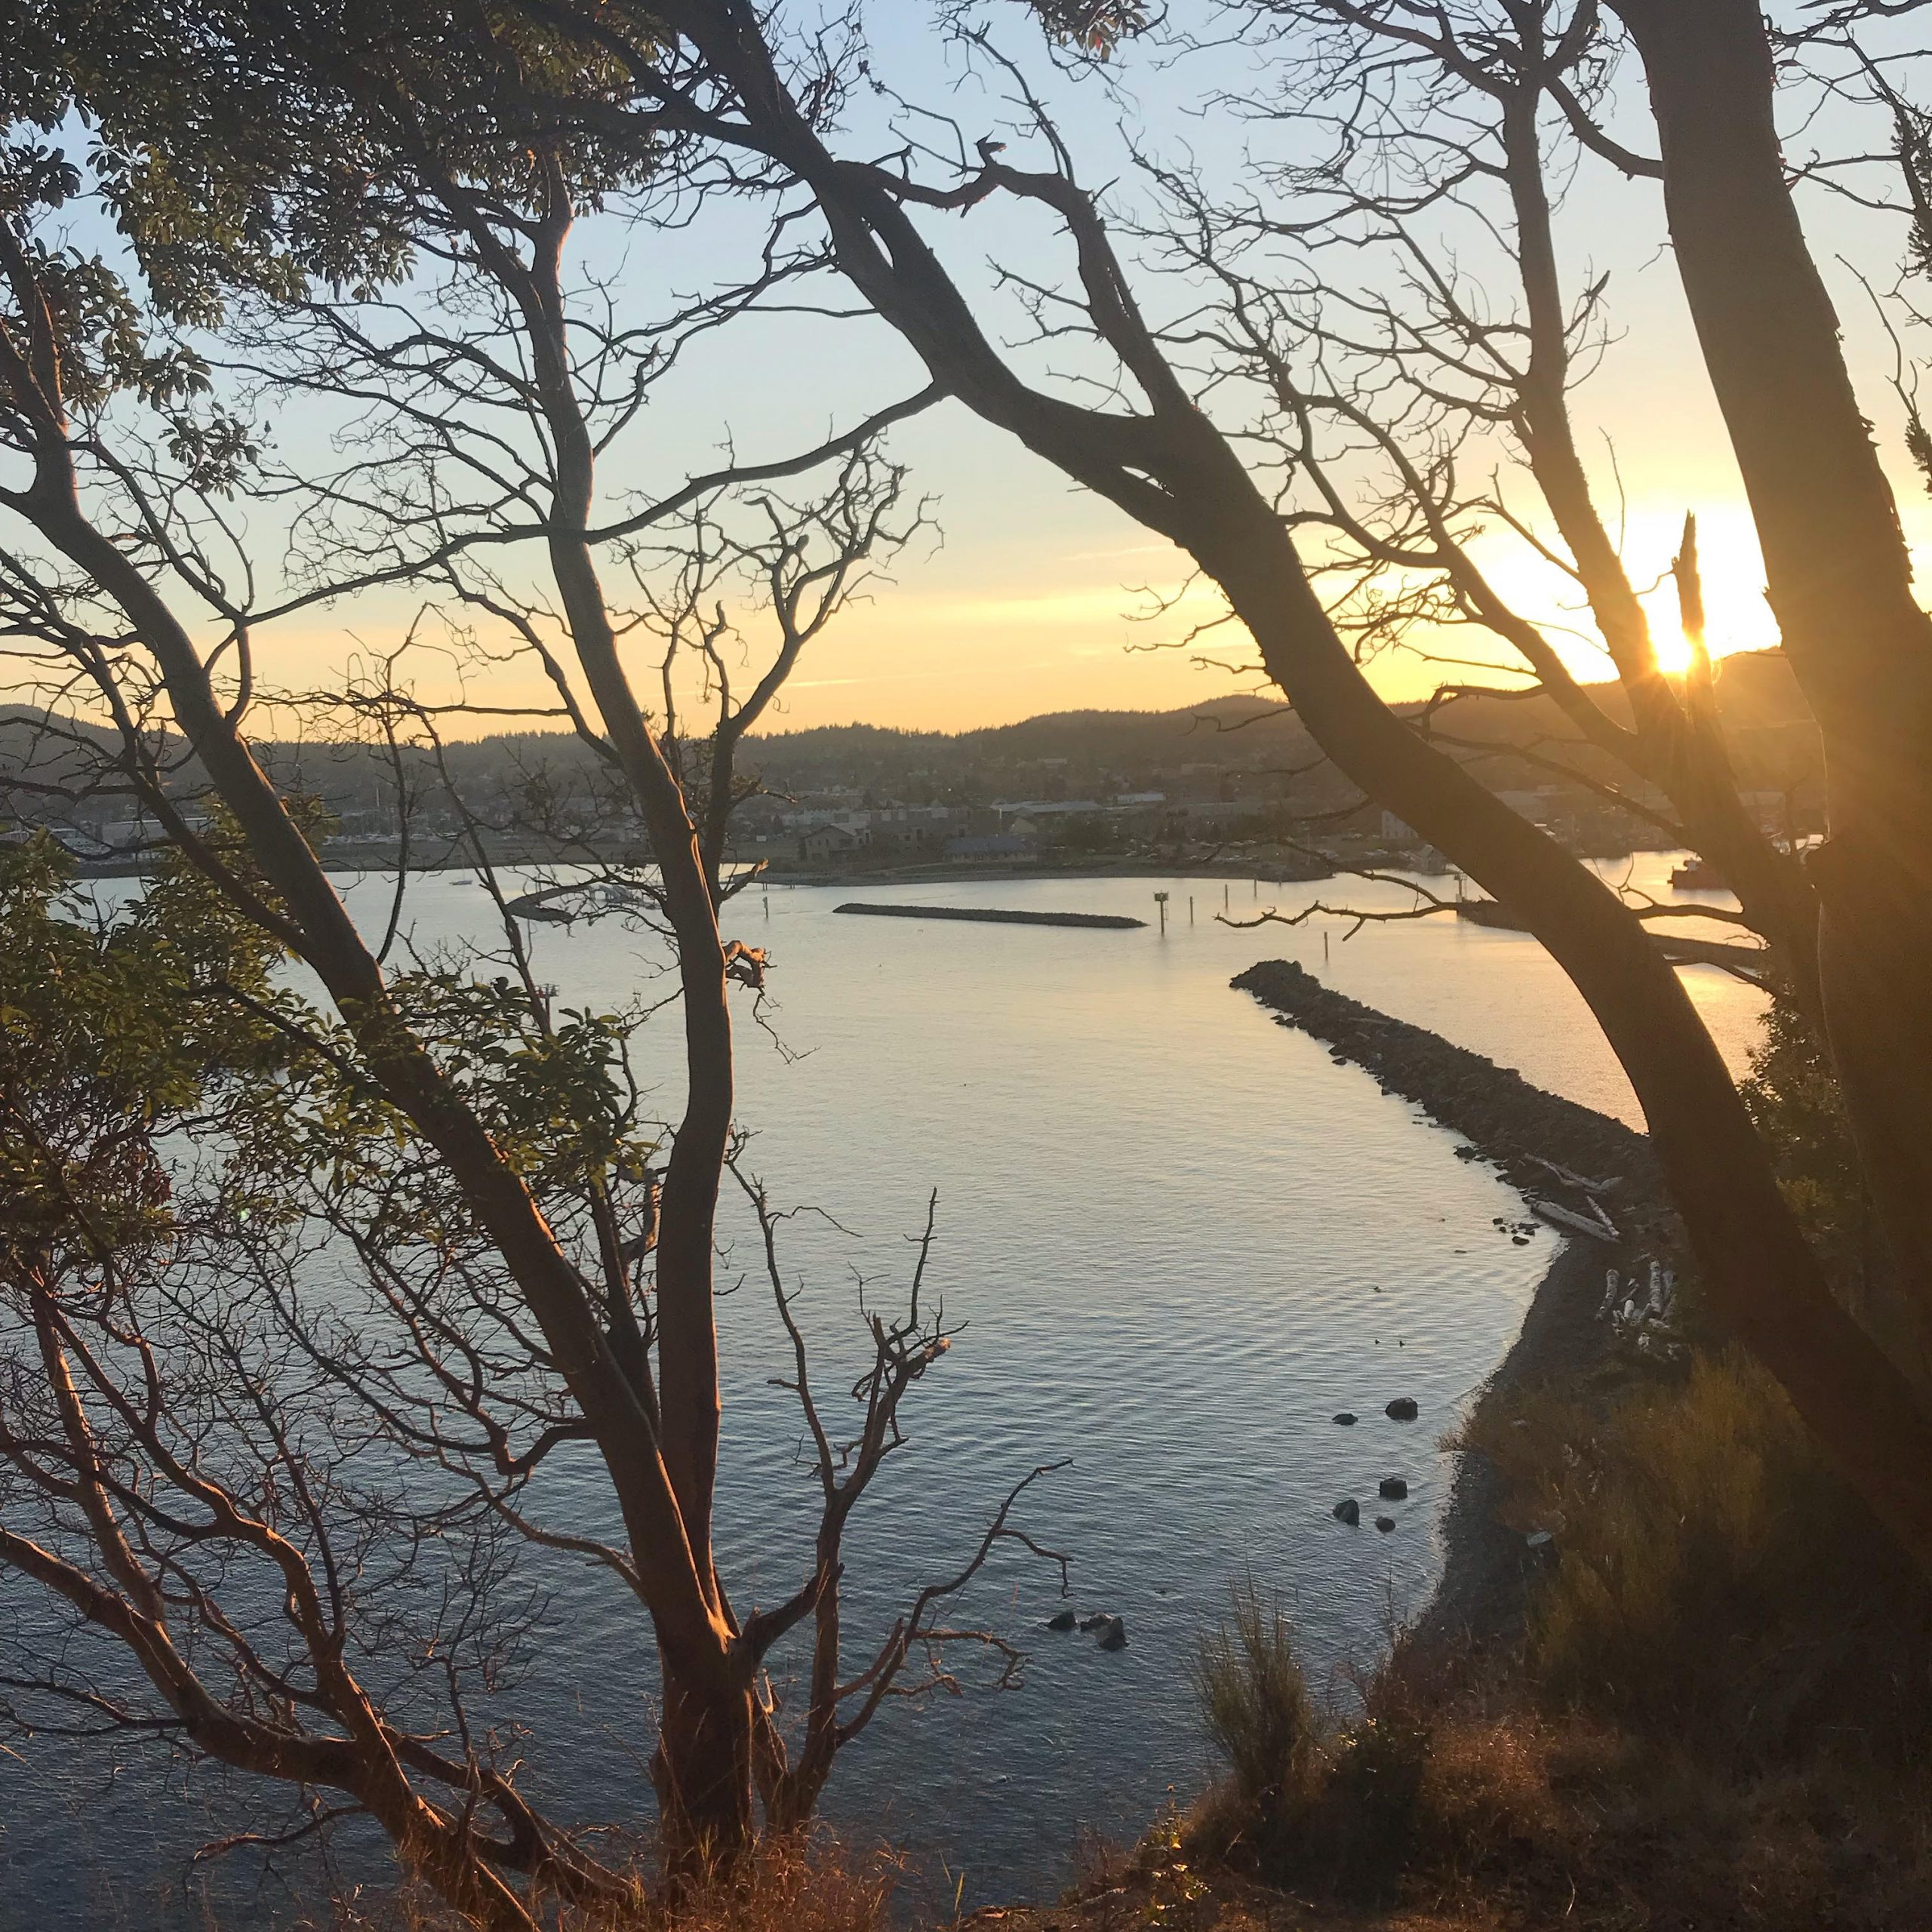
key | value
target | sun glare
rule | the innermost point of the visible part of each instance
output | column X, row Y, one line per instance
column 1673, row 651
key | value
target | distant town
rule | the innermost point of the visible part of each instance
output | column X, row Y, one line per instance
column 1233, row 783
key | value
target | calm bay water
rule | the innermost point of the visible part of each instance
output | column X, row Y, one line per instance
column 1181, row 1238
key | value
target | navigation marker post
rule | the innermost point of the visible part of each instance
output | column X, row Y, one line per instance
column 1160, row 900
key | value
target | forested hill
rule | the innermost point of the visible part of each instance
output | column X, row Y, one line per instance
column 1771, row 731
column 1070, row 753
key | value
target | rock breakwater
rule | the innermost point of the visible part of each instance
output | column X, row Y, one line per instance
column 1528, row 1134
column 1523, row 1129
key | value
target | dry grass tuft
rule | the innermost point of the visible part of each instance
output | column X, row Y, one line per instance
column 1254, row 1697
column 1307, row 1801
column 810, row 1884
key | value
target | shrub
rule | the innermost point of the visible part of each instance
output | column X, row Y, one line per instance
column 1795, row 1103
column 1254, row 1697
column 1714, row 1580
column 1361, row 1832
column 1307, row 1800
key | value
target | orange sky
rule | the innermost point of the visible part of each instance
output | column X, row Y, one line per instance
column 987, row 632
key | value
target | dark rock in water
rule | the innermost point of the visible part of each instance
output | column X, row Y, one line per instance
column 1385, row 1523
column 1345, row 1419
column 1392, row 1489
column 1348, row 1511
column 1402, row 1409
column 1061, row 1619
column 1113, row 1635
column 1099, row 1619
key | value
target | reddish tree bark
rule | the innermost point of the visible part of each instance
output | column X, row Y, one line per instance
column 1839, row 575
column 1169, row 468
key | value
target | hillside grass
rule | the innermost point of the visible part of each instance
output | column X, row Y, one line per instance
column 812, row 1882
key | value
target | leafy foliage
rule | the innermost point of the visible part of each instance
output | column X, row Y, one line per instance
column 110, row 1038
column 552, row 1095
column 1792, row 1094
column 166, row 1022
column 266, row 154
column 242, row 148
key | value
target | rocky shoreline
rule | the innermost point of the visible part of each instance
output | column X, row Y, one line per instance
column 1520, row 1130
column 1280, row 870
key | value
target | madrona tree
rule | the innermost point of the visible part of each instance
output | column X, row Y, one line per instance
column 721, row 71
column 360, row 206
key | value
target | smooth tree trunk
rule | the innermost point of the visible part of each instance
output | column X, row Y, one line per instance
column 1761, row 1277
column 1676, row 746
column 659, row 1443
column 1838, row 569
column 1170, row 468
column 702, row 1769
column 702, row 1766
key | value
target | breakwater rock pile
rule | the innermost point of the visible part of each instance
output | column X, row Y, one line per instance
column 995, row 915
column 1521, row 1128
column 1531, row 1136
